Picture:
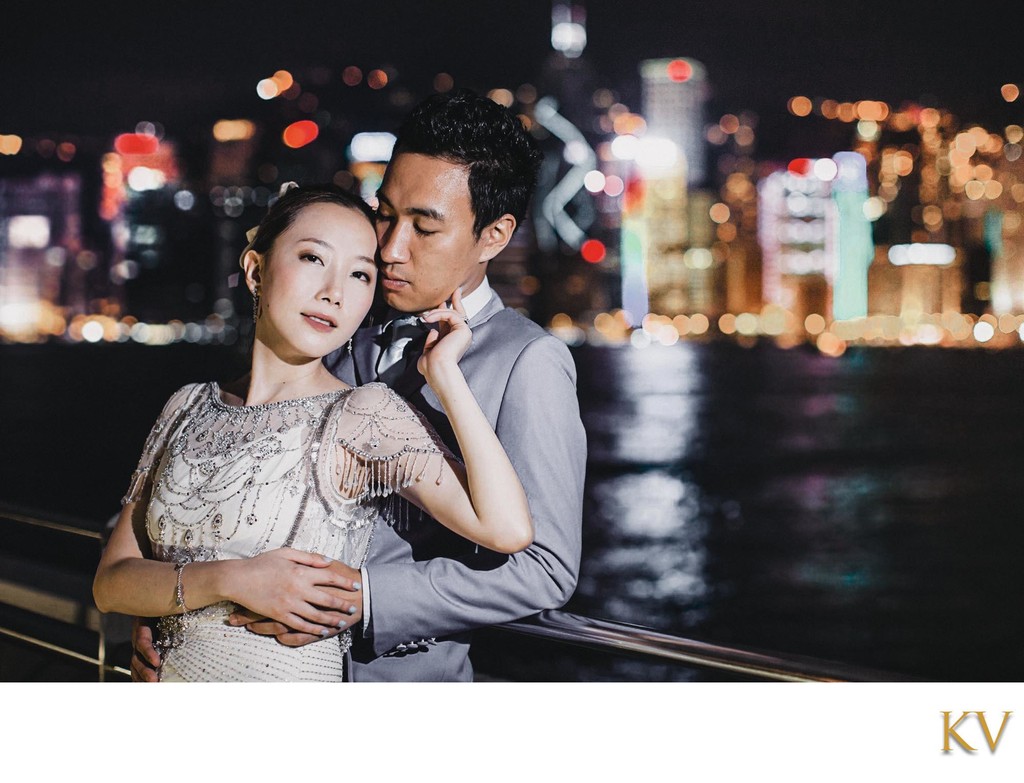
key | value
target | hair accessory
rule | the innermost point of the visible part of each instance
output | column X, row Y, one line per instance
column 250, row 237
column 285, row 187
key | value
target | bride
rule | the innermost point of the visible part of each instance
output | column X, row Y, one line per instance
column 244, row 493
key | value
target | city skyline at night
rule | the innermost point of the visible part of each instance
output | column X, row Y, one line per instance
column 232, row 126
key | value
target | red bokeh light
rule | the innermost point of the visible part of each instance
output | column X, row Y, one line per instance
column 679, row 70
column 593, row 251
column 633, row 196
column 136, row 144
column 801, row 166
column 300, row 133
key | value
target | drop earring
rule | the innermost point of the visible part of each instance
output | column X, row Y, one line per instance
column 255, row 304
column 349, row 346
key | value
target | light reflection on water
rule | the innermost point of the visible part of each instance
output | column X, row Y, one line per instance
column 656, row 396
column 654, row 546
column 860, row 510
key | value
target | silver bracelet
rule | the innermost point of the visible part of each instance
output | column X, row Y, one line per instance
column 179, row 590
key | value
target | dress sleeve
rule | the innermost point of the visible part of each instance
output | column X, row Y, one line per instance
column 382, row 444
column 156, row 442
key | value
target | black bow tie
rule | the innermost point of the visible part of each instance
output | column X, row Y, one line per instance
column 405, row 326
column 401, row 342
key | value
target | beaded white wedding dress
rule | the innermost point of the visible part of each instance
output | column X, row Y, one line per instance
column 225, row 481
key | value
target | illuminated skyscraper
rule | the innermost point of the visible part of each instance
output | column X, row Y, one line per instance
column 851, row 237
column 674, row 93
column 815, row 237
column 42, row 265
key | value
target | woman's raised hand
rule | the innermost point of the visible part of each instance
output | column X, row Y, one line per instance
column 285, row 585
column 447, row 341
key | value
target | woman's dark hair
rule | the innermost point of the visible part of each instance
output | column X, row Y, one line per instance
column 285, row 209
column 473, row 131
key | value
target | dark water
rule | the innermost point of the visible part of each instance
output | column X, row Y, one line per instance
column 862, row 509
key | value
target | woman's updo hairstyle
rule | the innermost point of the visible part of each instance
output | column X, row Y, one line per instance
column 290, row 202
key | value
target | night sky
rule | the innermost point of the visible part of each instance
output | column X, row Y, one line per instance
column 101, row 67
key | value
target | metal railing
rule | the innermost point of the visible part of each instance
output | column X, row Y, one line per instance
column 553, row 625
column 53, row 603
column 635, row 640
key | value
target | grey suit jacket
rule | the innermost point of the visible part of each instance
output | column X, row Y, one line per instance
column 429, row 587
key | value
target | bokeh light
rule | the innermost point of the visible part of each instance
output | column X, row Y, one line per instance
column 443, row 82
column 679, row 70
column 136, row 144
column 283, row 80
column 614, row 186
column 10, row 144
column 800, row 106
column 593, row 251
column 352, row 76
column 267, row 89
column 300, row 133
column 594, row 181
column 719, row 212
column 502, row 97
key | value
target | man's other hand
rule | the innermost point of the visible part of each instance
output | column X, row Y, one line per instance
column 145, row 658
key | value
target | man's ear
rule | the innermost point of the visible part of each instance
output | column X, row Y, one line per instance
column 495, row 237
column 252, row 264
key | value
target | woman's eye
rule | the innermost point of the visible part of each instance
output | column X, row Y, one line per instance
column 362, row 276
column 312, row 258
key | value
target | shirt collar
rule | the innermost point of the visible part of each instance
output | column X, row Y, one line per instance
column 476, row 301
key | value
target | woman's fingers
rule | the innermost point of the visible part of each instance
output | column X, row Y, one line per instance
column 457, row 305
column 330, row 599
column 318, row 619
column 341, row 575
column 453, row 318
column 325, row 619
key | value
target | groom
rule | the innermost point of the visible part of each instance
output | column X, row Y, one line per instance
column 458, row 184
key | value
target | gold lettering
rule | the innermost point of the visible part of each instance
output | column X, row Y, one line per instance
column 988, row 734
column 950, row 731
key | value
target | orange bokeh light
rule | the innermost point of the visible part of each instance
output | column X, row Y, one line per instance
column 800, row 105
column 300, row 133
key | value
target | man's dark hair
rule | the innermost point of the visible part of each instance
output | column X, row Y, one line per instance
column 470, row 130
